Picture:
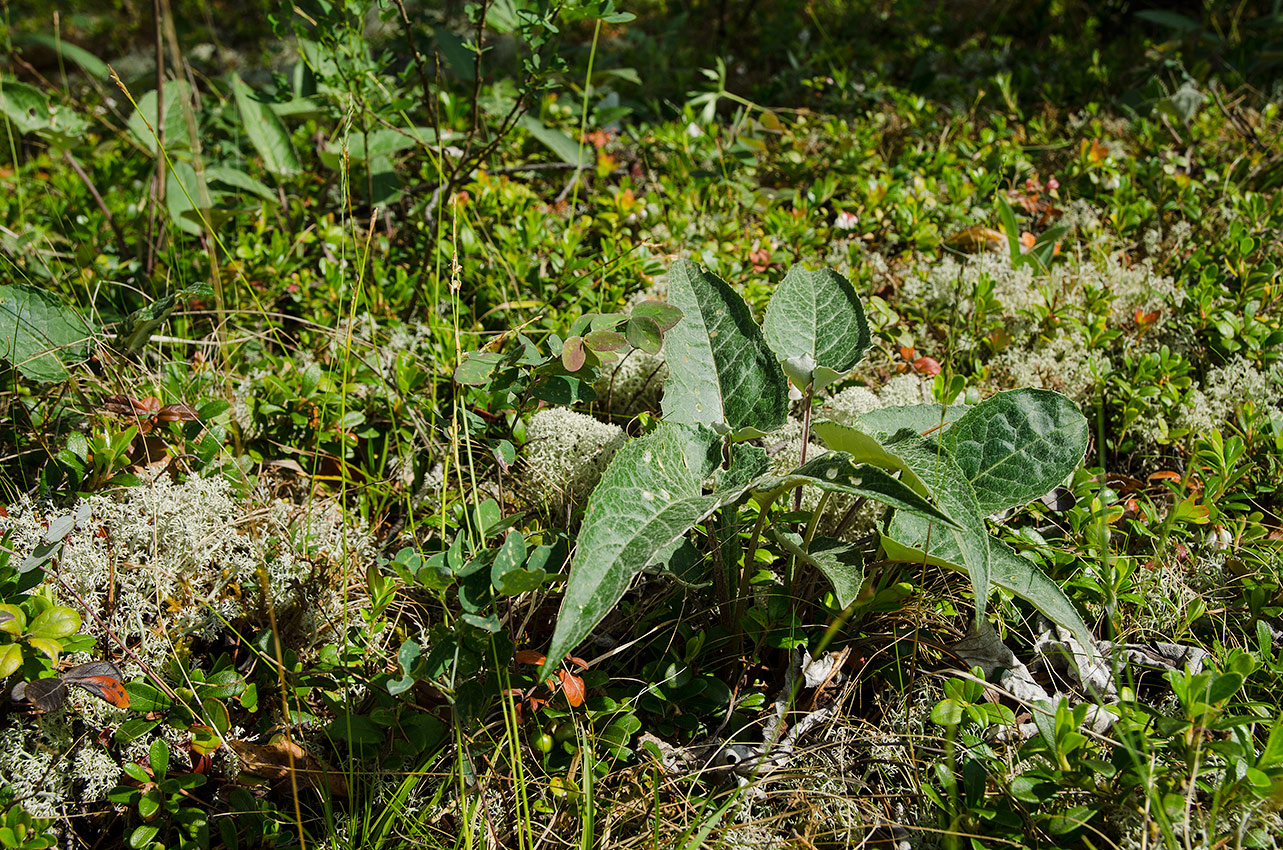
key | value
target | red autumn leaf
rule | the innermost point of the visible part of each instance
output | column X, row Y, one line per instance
column 100, row 678
column 573, row 687
column 124, row 405
column 927, row 366
column 529, row 656
column 577, row 661
column 907, row 352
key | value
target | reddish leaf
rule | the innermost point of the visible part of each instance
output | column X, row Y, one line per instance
column 577, row 661
column 100, row 678
column 573, row 687
column 573, row 354
column 123, row 405
column 927, row 366
column 529, row 656
column 907, row 352
column 280, row 759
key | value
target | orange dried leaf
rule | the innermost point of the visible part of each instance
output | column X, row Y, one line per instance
column 927, row 366
column 529, row 656
column 573, row 687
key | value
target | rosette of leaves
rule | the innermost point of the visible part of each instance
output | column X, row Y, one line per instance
column 726, row 384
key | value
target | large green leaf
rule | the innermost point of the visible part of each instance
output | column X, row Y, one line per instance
column 31, row 111
column 838, row 473
column 907, row 539
column 841, row 563
column 187, row 198
column 864, row 448
column 91, row 64
column 266, row 131
column 966, row 545
column 1012, row 572
column 720, row 371
column 566, row 148
column 39, row 335
column 142, row 123
column 238, row 179
column 886, row 422
column 1023, row 578
column 1017, row 446
column 649, row 496
column 816, row 326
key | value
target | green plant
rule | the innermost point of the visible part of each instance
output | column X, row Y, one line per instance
column 727, row 382
column 163, row 803
column 37, row 625
column 20, row 831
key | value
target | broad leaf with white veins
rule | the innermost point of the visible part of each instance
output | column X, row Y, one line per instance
column 816, row 326
column 720, row 371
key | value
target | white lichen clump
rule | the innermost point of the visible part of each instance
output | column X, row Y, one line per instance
column 162, row 564
column 171, row 561
column 1206, row 409
column 566, row 453
column 31, row 755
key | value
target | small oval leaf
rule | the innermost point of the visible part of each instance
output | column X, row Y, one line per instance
column 573, row 354
column 57, row 622
column 644, row 333
column 10, row 659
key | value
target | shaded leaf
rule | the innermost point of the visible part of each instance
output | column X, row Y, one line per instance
column 89, row 63
column 966, row 545
column 838, row 473
column 266, row 131
column 39, row 335
column 277, row 760
column 841, row 563
column 566, row 148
